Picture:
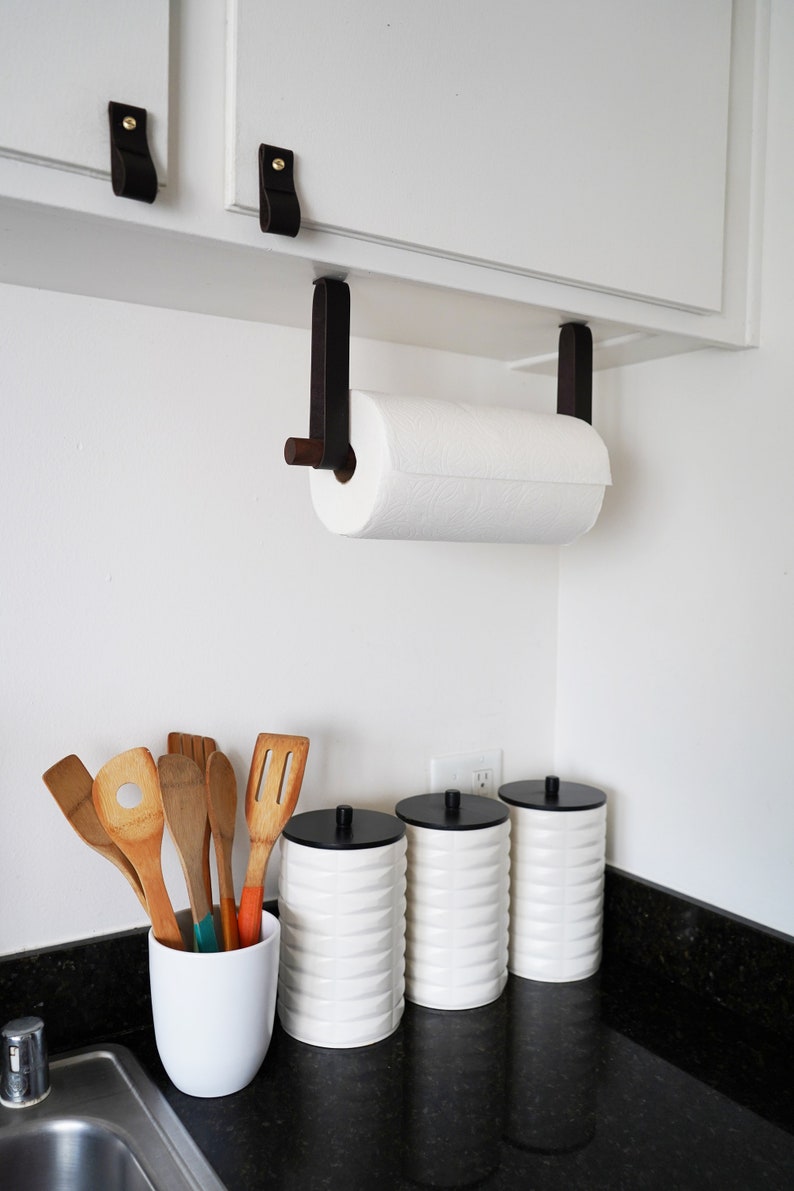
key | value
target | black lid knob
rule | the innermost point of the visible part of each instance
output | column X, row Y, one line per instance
column 552, row 787
column 344, row 817
column 452, row 800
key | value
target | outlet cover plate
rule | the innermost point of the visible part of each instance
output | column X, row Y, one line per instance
column 456, row 771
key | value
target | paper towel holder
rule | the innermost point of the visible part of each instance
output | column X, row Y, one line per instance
column 328, row 445
column 575, row 371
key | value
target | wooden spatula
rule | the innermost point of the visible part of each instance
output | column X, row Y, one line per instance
column 222, row 808
column 185, row 809
column 71, row 786
column 199, row 749
column 138, row 832
column 269, row 802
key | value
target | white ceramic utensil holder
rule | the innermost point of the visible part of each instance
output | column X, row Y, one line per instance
column 342, row 912
column 213, row 1011
column 457, row 899
column 558, row 843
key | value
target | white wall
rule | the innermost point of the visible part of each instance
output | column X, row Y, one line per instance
column 161, row 568
column 676, row 665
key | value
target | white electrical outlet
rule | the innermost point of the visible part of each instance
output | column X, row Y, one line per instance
column 471, row 773
column 482, row 782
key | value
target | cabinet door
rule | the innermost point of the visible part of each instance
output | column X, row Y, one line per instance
column 576, row 140
column 61, row 65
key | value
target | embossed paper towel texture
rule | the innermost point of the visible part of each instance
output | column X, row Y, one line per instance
column 441, row 471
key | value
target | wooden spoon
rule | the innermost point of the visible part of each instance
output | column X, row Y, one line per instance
column 185, row 810
column 199, row 748
column 222, row 808
column 138, row 831
column 71, row 786
column 267, row 813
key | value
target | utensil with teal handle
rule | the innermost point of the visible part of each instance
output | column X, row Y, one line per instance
column 185, row 809
column 199, row 748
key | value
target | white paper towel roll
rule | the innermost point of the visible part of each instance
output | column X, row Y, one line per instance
column 434, row 470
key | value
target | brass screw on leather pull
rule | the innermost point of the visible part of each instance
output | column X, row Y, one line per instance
column 278, row 163
column 129, row 123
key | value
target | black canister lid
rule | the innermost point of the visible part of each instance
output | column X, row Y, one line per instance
column 451, row 811
column 550, row 794
column 344, row 828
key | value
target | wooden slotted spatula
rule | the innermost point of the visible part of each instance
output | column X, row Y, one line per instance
column 199, row 749
column 185, row 810
column 71, row 785
column 274, row 783
column 138, row 831
column 222, row 808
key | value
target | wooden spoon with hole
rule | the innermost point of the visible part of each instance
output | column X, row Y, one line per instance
column 185, row 810
column 222, row 808
column 274, row 783
column 71, row 786
column 138, row 831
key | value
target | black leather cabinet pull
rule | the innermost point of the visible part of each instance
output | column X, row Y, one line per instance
column 132, row 172
column 279, row 209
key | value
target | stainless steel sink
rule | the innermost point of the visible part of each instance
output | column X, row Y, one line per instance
column 104, row 1124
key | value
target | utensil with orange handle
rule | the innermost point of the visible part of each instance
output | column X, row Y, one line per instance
column 274, row 783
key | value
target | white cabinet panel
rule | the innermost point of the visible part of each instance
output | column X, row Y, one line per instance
column 584, row 142
column 61, row 65
column 477, row 180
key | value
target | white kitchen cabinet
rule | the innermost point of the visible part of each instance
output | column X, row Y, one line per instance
column 63, row 63
column 478, row 172
column 577, row 141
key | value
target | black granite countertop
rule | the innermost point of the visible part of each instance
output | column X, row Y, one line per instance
column 672, row 1068
column 614, row 1082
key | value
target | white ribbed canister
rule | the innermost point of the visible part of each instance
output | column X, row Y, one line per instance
column 558, row 843
column 457, row 899
column 341, row 900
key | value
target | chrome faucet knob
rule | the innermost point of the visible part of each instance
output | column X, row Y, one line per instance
column 24, row 1066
